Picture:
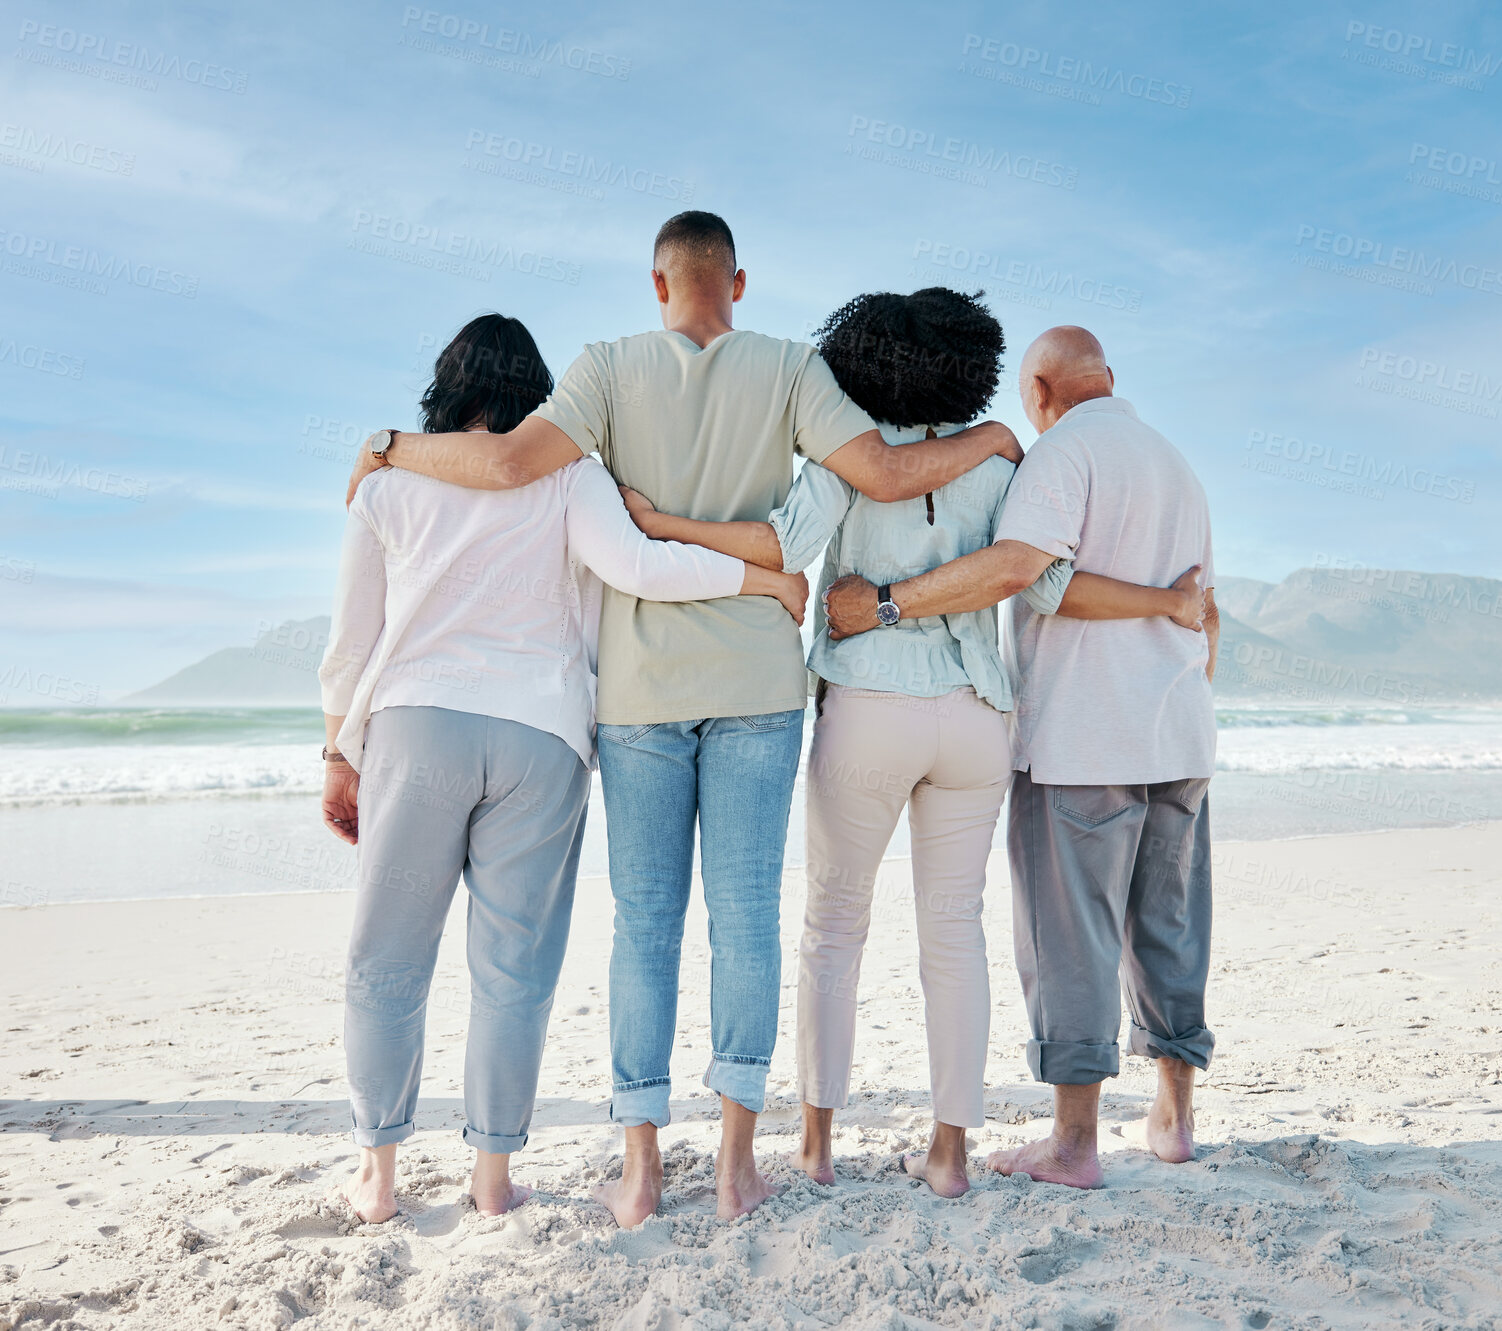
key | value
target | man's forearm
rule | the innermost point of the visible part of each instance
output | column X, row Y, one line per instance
column 971, row 582
column 916, row 469
column 754, row 542
column 1094, row 596
column 1212, row 632
column 889, row 473
column 480, row 461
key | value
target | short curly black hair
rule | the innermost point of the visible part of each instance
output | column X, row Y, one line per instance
column 930, row 358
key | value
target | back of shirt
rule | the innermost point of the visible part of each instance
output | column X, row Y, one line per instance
column 705, row 433
column 1108, row 702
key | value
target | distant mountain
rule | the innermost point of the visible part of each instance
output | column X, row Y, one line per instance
column 280, row 670
column 1352, row 635
column 1321, row 635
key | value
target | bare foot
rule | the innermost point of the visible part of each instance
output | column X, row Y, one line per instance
column 371, row 1189
column 630, row 1201
column 638, row 1192
column 741, row 1191
column 491, row 1187
column 1170, row 1122
column 817, row 1163
column 1051, row 1161
column 737, row 1182
column 946, row 1180
column 816, row 1154
column 1170, row 1141
column 942, row 1166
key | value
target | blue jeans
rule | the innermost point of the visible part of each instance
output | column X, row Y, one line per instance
column 735, row 774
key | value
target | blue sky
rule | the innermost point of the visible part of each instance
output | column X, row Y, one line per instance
column 233, row 239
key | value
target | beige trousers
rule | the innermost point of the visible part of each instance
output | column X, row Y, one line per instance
column 949, row 761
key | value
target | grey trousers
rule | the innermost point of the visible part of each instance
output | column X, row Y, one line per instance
column 1111, row 881
column 444, row 792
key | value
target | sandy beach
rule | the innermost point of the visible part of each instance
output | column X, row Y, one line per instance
column 173, row 1129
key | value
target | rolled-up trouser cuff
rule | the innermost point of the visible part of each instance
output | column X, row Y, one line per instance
column 743, row 1080
column 823, row 1096
column 641, row 1102
column 373, row 1137
column 1193, row 1046
column 1072, row 1063
column 493, row 1143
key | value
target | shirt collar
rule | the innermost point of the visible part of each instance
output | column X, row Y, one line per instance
column 1117, row 404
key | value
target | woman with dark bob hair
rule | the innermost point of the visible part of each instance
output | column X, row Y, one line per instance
column 912, row 716
column 458, row 692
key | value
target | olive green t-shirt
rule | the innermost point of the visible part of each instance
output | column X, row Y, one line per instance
column 704, row 433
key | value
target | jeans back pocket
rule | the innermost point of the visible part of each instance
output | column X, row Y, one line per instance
column 1094, row 805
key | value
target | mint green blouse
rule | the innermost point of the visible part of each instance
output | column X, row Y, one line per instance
column 886, row 543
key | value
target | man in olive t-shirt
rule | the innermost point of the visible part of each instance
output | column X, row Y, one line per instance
column 700, row 705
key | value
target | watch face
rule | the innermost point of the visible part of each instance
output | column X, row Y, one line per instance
column 888, row 613
column 380, row 441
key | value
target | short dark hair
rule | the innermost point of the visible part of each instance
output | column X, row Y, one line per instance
column 930, row 358
column 492, row 371
column 704, row 239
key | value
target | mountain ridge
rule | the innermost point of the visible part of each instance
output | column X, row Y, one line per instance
column 1321, row 635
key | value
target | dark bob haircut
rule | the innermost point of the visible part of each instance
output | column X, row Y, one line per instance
column 927, row 359
column 491, row 373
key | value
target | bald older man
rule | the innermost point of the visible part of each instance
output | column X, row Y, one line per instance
column 1114, row 746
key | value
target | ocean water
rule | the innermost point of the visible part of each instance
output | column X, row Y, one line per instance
column 115, row 803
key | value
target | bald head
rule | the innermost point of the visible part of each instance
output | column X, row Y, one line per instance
column 1062, row 368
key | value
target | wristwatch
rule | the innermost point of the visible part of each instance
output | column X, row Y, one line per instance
column 330, row 756
column 380, row 441
column 887, row 612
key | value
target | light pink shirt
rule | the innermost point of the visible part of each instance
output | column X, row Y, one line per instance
column 1110, row 702
column 488, row 601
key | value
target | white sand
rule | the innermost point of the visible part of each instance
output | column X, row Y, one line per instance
column 174, row 1122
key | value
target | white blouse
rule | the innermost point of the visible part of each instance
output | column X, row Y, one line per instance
column 488, row 601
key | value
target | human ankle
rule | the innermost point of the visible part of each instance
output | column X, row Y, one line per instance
column 377, row 1163
column 947, row 1143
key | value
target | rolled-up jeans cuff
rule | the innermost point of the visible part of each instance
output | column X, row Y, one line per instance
column 641, row 1102
column 1194, row 1046
column 743, row 1080
column 1071, row 1062
column 374, row 1137
column 493, row 1143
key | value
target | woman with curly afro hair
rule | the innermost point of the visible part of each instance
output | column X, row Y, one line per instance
column 910, row 716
